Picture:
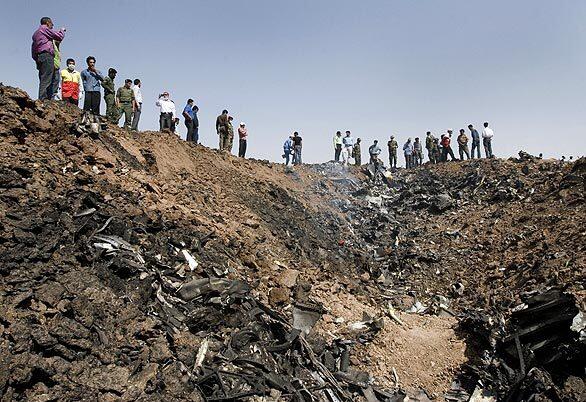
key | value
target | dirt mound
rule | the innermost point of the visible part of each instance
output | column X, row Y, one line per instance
column 136, row 266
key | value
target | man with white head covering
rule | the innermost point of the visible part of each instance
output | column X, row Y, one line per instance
column 168, row 112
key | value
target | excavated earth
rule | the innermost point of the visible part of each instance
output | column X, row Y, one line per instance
column 135, row 266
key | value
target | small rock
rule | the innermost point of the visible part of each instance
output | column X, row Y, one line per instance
column 288, row 278
column 279, row 296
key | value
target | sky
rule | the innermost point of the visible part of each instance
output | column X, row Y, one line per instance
column 376, row 68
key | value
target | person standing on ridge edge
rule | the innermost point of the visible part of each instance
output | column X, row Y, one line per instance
column 56, row 79
column 487, row 135
column 297, row 147
column 168, row 112
column 230, row 136
column 43, row 53
column 70, row 83
column 374, row 151
column 91, row 79
column 337, row 146
column 408, row 151
column 126, row 103
column 138, row 100
column 288, row 149
column 112, row 111
column 417, row 153
column 242, row 140
column 475, row 140
column 392, row 145
column 189, row 116
column 348, row 144
column 430, row 147
column 463, row 145
column 222, row 128
column 446, row 147
column 356, row 153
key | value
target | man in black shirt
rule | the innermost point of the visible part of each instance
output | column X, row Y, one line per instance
column 296, row 148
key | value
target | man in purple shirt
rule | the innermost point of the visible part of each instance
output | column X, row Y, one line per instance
column 43, row 54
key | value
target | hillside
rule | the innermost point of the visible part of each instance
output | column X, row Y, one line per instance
column 136, row 266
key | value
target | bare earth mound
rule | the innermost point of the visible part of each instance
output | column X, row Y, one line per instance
column 140, row 267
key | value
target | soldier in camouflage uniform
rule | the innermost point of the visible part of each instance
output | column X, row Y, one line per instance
column 126, row 102
column 112, row 112
column 230, row 137
column 435, row 151
column 393, row 145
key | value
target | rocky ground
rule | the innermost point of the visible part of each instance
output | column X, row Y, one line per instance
column 140, row 267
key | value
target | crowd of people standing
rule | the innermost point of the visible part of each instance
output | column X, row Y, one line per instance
column 438, row 149
column 127, row 101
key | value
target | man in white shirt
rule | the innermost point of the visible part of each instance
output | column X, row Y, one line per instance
column 138, row 99
column 168, row 113
column 487, row 135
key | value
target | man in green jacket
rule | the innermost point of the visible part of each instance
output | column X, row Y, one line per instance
column 429, row 145
column 112, row 112
column 126, row 103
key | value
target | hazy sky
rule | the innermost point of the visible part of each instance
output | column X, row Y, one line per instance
column 374, row 67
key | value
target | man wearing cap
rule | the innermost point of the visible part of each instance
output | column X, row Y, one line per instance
column 125, row 102
column 393, row 146
column 91, row 78
column 242, row 140
column 112, row 111
column 167, row 109
column 43, row 53
column 222, row 128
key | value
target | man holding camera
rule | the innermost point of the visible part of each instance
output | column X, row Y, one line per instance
column 167, row 108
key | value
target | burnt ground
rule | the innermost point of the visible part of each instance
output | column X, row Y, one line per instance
column 140, row 267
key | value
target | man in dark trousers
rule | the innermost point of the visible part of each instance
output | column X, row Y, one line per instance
column 91, row 79
column 297, row 147
column 242, row 140
column 190, row 119
column 446, row 147
column 475, row 140
column 43, row 53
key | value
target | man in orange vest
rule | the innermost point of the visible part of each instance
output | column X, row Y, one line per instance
column 70, row 83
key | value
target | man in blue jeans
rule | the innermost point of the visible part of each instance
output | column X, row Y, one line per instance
column 43, row 53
